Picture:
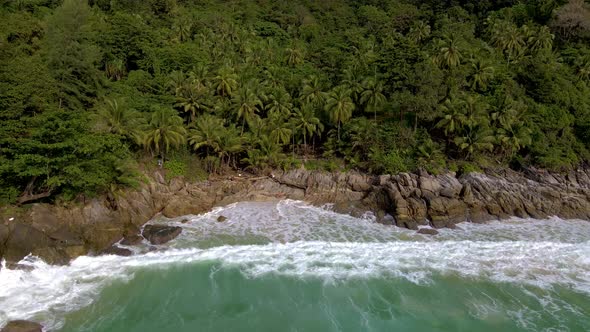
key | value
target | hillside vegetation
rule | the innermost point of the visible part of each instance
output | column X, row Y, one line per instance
column 89, row 88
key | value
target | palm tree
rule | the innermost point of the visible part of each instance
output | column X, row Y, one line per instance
column 372, row 96
column 541, row 40
column 163, row 131
column 247, row 104
column 509, row 39
column 114, row 117
column 281, row 130
column 475, row 112
column 419, row 32
column 183, row 30
column 353, row 82
column 312, row 92
column 115, row 69
column 230, row 144
column 305, row 120
column 279, row 103
column 206, row 133
column 513, row 138
column 475, row 140
column 199, row 76
column 453, row 116
column 225, row 82
column 294, row 56
column 449, row 55
column 192, row 100
column 481, row 74
column 339, row 106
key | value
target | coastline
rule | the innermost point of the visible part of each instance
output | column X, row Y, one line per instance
column 58, row 233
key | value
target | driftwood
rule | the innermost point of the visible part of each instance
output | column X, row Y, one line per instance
column 28, row 196
column 33, row 197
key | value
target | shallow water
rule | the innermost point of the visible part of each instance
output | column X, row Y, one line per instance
column 288, row 266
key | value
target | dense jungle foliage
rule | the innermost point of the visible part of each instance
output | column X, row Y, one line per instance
column 88, row 88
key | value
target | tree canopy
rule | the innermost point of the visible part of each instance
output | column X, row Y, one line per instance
column 87, row 87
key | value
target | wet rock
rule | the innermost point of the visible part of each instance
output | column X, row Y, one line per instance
column 21, row 267
column 221, row 219
column 428, row 231
column 114, row 250
column 160, row 234
column 22, row 326
column 132, row 240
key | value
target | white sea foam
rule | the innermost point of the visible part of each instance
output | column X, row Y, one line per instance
column 47, row 292
column 300, row 241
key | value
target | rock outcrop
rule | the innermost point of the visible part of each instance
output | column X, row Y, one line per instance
column 160, row 234
column 22, row 326
column 60, row 233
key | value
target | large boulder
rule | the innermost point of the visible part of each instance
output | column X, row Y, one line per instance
column 160, row 234
column 446, row 212
column 118, row 251
column 22, row 326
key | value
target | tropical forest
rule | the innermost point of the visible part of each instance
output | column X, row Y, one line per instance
column 93, row 92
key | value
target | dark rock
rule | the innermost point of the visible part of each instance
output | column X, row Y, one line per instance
column 428, row 231
column 22, row 326
column 24, row 239
column 221, row 219
column 114, row 250
column 160, row 234
column 132, row 240
column 184, row 220
column 21, row 267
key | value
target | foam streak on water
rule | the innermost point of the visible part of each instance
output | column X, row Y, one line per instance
column 296, row 240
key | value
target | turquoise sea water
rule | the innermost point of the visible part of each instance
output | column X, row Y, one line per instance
column 288, row 266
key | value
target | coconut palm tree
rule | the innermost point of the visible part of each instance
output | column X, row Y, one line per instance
column 305, row 121
column 481, row 74
column 312, row 92
column 453, row 116
column 353, row 83
column 225, row 82
column 229, row 145
column 192, row 100
column 513, row 138
column 116, row 118
column 419, row 32
column 475, row 111
column 281, row 131
column 279, row 103
column 163, row 131
column 509, row 39
column 478, row 138
column 294, row 56
column 339, row 106
column 183, row 30
column 449, row 54
column 247, row 104
column 115, row 69
column 178, row 81
column 541, row 40
column 372, row 96
column 206, row 133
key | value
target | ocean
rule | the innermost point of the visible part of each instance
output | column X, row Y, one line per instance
column 289, row 266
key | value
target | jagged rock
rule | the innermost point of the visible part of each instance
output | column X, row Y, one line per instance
column 132, row 240
column 445, row 212
column 22, row 326
column 59, row 233
column 428, row 231
column 114, row 250
column 221, row 219
column 160, row 234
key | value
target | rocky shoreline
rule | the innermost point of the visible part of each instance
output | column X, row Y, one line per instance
column 58, row 234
